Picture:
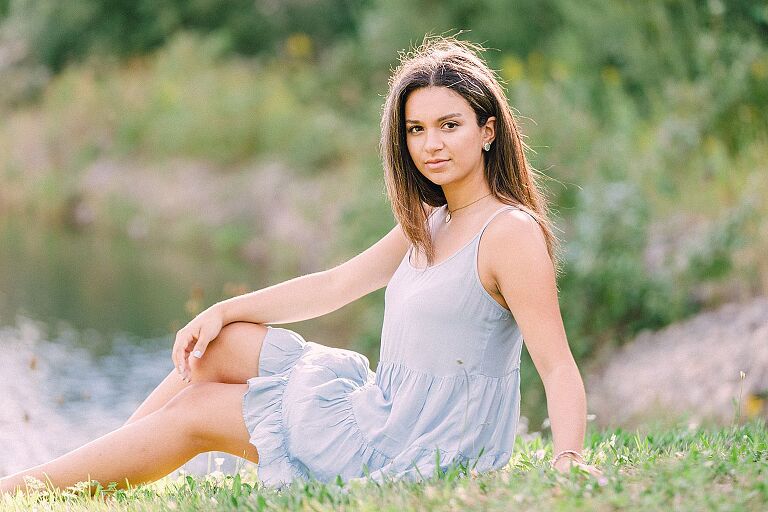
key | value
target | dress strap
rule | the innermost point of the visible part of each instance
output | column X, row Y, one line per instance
column 503, row 208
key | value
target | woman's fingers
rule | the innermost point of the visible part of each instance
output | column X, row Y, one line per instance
column 186, row 370
column 194, row 339
column 595, row 472
column 196, row 349
column 184, row 338
column 174, row 352
column 207, row 333
column 586, row 468
column 202, row 343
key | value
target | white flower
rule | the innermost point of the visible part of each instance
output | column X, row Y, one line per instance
column 33, row 484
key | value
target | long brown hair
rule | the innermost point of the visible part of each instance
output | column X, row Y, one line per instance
column 448, row 62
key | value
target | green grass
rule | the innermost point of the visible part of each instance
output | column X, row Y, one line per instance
column 679, row 468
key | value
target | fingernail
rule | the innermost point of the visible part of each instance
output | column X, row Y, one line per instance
column 197, row 354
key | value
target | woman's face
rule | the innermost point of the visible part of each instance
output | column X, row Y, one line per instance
column 443, row 138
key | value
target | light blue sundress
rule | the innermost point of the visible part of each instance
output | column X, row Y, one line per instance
column 447, row 385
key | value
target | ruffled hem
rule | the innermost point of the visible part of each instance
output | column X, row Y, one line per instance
column 262, row 407
column 323, row 429
column 299, row 413
column 318, row 412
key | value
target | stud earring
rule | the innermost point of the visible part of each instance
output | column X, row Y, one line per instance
column 487, row 146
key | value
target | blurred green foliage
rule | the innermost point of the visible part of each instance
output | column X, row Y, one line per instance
column 59, row 33
column 648, row 120
column 604, row 285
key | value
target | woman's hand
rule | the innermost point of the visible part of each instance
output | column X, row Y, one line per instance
column 564, row 464
column 194, row 338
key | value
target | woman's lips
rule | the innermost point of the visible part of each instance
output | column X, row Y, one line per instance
column 434, row 164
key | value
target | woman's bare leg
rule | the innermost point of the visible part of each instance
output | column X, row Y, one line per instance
column 167, row 389
column 232, row 358
column 202, row 417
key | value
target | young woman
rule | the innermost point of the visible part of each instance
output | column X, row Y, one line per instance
column 470, row 272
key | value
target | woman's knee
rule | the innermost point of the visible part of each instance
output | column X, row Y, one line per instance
column 209, row 415
column 187, row 408
column 233, row 356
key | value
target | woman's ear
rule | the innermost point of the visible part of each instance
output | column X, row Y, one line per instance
column 489, row 130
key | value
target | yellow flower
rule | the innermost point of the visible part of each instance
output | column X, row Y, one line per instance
column 759, row 68
column 299, row 45
column 754, row 405
column 610, row 75
column 512, row 68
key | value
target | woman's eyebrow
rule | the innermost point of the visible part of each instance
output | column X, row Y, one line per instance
column 439, row 119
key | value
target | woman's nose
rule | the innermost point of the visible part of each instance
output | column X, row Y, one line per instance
column 434, row 140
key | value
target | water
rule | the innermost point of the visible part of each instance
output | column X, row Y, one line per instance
column 86, row 329
column 58, row 396
column 106, row 284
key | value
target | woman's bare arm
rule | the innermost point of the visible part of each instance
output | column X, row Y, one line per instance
column 297, row 299
column 317, row 294
column 525, row 276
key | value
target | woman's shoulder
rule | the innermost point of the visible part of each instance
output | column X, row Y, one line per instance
column 515, row 232
column 520, row 211
column 513, row 253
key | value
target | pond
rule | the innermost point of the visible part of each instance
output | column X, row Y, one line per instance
column 86, row 328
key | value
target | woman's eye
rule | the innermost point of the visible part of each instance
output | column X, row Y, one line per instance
column 451, row 124
column 413, row 129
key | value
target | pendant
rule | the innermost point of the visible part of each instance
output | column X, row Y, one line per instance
column 448, row 218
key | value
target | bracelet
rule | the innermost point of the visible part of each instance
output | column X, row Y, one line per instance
column 557, row 457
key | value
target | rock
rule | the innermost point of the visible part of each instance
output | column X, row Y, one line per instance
column 690, row 369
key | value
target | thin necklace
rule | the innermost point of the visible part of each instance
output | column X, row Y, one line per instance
column 450, row 212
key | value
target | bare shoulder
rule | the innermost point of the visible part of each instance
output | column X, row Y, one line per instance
column 515, row 236
column 514, row 225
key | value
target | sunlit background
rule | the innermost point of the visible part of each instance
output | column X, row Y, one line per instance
column 158, row 156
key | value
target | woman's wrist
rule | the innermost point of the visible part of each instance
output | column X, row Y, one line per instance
column 220, row 309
